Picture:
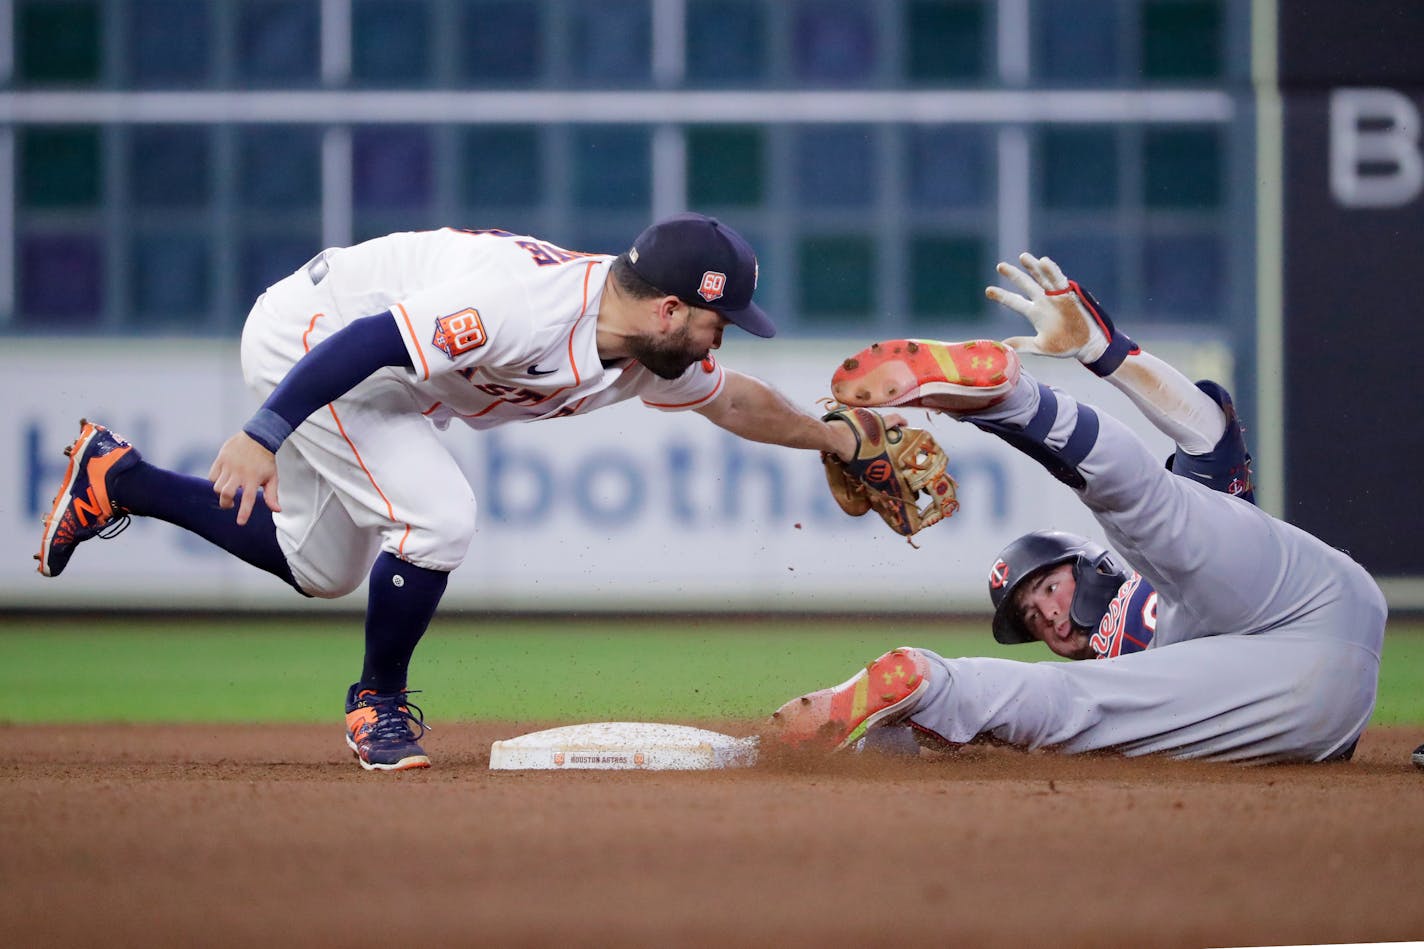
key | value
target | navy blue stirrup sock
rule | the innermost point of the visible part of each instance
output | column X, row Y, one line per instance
column 188, row 502
column 403, row 598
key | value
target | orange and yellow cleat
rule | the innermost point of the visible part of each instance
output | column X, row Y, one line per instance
column 835, row 718
column 959, row 378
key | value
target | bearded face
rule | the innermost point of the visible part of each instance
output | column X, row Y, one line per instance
column 668, row 356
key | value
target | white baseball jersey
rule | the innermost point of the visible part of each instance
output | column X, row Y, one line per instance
column 499, row 328
column 1267, row 643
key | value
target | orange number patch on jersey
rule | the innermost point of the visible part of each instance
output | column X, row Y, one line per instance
column 459, row 333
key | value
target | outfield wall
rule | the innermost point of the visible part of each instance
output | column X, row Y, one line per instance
column 627, row 508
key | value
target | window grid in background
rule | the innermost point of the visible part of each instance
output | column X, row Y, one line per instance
column 177, row 228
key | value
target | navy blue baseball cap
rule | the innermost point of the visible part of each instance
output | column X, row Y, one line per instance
column 703, row 263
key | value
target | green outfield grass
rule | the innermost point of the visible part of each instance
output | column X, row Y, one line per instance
column 183, row 669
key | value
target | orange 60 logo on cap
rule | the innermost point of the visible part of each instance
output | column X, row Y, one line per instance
column 713, row 285
column 459, row 332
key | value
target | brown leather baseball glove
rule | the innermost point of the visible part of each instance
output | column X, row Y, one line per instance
column 891, row 467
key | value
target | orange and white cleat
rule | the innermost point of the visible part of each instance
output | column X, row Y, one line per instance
column 831, row 719
column 960, row 378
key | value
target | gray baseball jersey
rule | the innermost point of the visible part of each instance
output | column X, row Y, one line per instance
column 1268, row 640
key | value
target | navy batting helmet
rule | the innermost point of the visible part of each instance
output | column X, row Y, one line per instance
column 1097, row 573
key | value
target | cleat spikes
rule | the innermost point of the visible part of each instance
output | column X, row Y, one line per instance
column 884, row 692
column 958, row 378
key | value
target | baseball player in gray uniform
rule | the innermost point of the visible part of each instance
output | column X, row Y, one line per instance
column 363, row 352
column 1266, row 641
column 1112, row 609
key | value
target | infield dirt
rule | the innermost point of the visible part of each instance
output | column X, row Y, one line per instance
column 268, row 835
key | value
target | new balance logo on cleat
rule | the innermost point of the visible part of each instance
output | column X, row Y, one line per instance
column 84, row 505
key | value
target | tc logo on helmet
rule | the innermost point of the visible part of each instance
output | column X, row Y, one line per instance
column 713, row 285
column 998, row 575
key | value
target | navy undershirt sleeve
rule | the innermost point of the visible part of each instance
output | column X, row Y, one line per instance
column 332, row 368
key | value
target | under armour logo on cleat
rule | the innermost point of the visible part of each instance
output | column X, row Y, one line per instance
column 899, row 673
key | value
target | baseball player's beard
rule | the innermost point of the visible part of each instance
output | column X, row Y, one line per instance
column 667, row 358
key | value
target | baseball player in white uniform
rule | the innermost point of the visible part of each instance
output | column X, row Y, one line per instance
column 1265, row 641
column 363, row 352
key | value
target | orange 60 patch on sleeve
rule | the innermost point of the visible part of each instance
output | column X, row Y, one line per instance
column 459, row 333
